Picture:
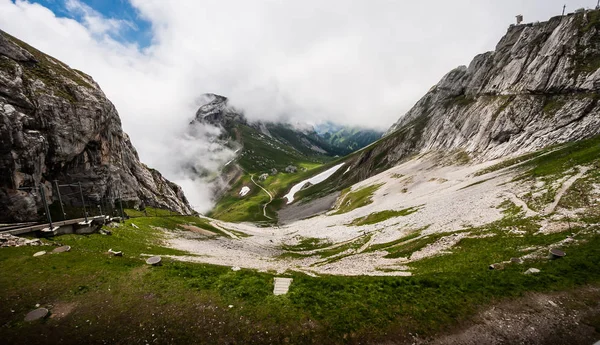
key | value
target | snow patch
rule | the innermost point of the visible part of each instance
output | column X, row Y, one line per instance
column 313, row 180
column 244, row 191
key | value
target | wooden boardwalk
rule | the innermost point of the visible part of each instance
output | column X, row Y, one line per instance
column 20, row 230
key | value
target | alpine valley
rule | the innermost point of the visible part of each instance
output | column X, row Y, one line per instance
column 474, row 219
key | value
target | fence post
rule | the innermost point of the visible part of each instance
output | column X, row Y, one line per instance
column 62, row 209
column 121, row 206
column 83, row 202
column 43, row 193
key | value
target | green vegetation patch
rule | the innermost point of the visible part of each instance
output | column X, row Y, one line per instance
column 353, row 245
column 582, row 193
column 565, row 157
column 510, row 162
column 249, row 208
column 407, row 247
column 412, row 235
column 351, row 200
column 552, row 105
column 383, row 215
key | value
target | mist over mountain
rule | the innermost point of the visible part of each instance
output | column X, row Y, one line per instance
column 346, row 139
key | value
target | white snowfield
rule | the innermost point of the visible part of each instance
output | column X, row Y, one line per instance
column 244, row 191
column 449, row 198
column 313, row 180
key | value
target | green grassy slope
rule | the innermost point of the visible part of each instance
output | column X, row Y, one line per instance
column 122, row 300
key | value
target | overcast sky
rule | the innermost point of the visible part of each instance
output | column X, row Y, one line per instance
column 351, row 62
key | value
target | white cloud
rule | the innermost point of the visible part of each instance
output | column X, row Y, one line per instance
column 94, row 21
column 353, row 62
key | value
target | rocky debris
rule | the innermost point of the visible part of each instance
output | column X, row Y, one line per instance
column 498, row 266
column 37, row 314
column 154, row 261
column 39, row 253
column 555, row 254
column 115, row 253
column 532, row 271
column 235, row 268
column 274, row 171
column 135, row 226
column 62, row 249
column 8, row 240
column 290, row 169
column 516, row 260
column 439, row 246
column 263, row 177
column 57, row 124
column 106, row 232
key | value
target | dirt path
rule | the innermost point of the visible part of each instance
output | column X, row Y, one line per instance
column 268, row 193
column 228, row 233
column 563, row 189
column 519, row 202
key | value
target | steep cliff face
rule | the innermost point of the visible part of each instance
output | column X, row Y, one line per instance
column 538, row 88
column 57, row 124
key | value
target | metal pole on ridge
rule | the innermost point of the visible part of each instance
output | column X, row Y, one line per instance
column 121, row 206
column 83, row 202
column 62, row 208
column 43, row 194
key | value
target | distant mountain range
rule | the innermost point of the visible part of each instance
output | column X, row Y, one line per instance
column 276, row 145
column 344, row 139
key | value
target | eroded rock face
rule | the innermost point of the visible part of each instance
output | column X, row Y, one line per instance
column 57, row 124
column 539, row 87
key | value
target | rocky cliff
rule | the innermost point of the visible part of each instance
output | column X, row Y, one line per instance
column 539, row 87
column 57, row 124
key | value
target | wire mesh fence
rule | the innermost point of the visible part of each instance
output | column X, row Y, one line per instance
column 76, row 200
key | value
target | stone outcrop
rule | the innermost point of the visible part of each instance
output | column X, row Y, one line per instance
column 57, row 124
column 538, row 88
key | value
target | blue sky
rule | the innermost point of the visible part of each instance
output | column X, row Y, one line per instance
column 139, row 32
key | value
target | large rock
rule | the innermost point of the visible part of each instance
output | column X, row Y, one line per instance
column 57, row 124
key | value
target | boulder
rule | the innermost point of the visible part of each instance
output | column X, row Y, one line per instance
column 37, row 314
column 532, row 271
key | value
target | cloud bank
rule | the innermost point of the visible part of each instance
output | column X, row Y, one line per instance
column 351, row 62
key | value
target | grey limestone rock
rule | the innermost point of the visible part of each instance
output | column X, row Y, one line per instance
column 57, row 124
column 539, row 87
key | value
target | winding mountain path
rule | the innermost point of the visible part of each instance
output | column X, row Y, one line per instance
column 268, row 193
column 563, row 189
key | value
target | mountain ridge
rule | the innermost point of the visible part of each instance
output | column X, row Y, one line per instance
column 539, row 88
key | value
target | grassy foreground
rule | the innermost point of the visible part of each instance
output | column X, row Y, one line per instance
column 96, row 298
